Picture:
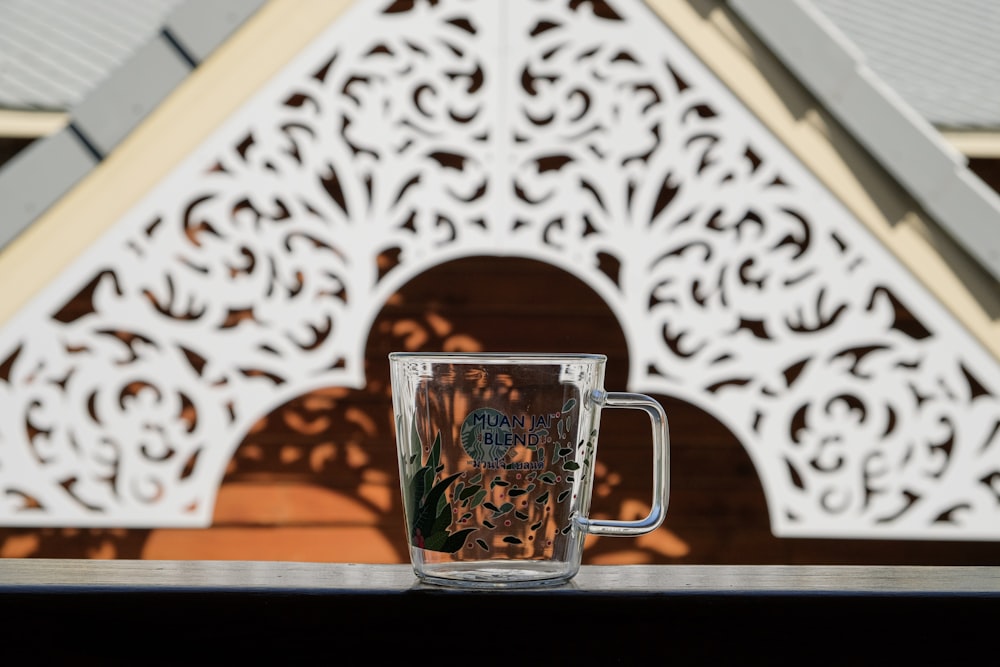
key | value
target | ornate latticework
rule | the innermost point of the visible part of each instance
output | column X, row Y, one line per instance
column 581, row 134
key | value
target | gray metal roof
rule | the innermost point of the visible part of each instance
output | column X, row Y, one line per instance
column 941, row 56
column 54, row 52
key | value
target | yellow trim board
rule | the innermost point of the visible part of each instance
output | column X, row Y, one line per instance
column 763, row 84
column 975, row 144
column 18, row 124
column 265, row 43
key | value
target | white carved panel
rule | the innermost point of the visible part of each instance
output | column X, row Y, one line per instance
column 582, row 134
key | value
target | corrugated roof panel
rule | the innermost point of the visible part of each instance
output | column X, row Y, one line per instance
column 52, row 53
column 943, row 58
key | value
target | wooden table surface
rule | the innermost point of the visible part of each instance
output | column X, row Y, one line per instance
column 51, row 575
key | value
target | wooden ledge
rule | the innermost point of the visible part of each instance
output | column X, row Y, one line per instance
column 145, row 612
column 52, row 576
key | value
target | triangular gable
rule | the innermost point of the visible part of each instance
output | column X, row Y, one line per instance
column 586, row 136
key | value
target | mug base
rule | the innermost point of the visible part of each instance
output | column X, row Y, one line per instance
column 495, row 574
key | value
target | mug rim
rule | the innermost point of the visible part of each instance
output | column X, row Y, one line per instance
column 494, row 357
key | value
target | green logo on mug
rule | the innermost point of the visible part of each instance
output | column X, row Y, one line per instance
column 487, row 434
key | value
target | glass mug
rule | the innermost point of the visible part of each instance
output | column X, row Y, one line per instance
column 496, row 462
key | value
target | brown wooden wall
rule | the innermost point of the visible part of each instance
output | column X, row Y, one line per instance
column 316, row 480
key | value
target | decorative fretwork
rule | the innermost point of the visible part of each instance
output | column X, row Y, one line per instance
column 582, row 134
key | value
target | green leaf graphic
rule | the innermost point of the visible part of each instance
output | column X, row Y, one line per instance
column 428, row 506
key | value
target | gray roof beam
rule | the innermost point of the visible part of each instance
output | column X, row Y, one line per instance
column 199, row 26
column 119, row 103
column 55, row 164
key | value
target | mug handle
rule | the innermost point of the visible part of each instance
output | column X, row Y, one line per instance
column 661, row 466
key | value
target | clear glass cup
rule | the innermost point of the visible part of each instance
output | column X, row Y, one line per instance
column 496, row 462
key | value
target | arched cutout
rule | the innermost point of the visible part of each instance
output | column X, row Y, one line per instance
column 717, row 513
column 341, row 440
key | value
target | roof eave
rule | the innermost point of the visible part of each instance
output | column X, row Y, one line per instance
column 933, row 172
column 44, row 171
